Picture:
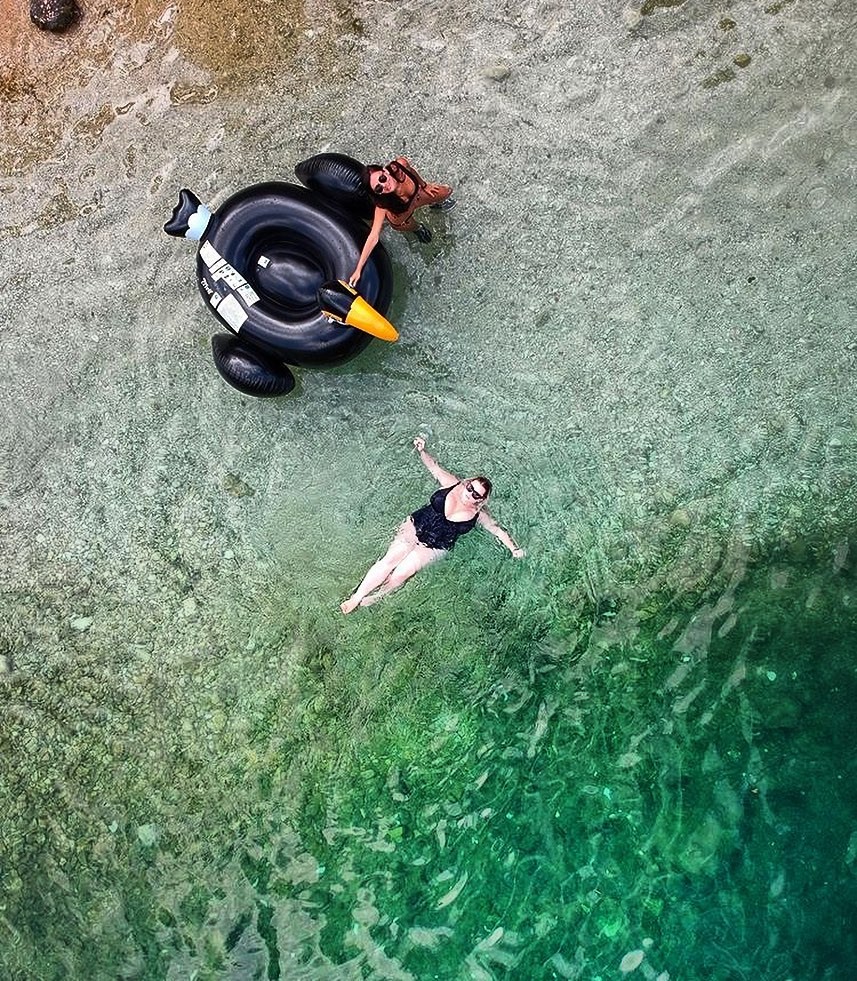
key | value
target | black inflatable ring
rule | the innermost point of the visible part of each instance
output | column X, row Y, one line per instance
column 263, row 256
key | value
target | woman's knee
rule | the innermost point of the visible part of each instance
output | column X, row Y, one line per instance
column 434, row 194
column 399, row 576
column 418, row 559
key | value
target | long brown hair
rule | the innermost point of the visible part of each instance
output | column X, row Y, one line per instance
column 389, row 200
column 486, row 483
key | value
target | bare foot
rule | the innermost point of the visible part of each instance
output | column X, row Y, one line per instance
column 350, row 604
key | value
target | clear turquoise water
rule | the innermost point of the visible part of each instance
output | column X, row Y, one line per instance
column 507, row 795
column 639, row 322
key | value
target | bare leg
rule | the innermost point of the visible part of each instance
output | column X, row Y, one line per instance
column 415, row 560
column 401, row 545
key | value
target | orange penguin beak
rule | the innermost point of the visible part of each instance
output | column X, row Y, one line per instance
column 341, row 302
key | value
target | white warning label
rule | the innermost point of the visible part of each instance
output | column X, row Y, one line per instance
column 232, row 312
column 221, row 270
column 209, row 254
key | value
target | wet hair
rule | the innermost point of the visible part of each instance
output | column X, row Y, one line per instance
column 389, row 201
column 486, row 483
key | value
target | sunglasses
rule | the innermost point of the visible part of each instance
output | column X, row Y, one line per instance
column 471, row 490
column 381, row 179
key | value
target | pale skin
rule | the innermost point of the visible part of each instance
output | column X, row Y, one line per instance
column 407, row 554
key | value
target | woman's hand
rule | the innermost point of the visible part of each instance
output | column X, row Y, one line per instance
column 419, row 444
column 518, row 553
column 354, row 277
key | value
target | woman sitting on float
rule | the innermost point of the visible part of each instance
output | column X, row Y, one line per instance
column 396, row 191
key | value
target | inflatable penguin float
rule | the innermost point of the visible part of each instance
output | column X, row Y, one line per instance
column 272, row 265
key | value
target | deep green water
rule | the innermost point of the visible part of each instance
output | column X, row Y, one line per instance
column 513, row 792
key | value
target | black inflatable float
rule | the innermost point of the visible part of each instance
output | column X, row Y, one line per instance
column 272, row 264
column 336, row 178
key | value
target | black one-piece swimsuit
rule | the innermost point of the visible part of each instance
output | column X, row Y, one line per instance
column 433, row 528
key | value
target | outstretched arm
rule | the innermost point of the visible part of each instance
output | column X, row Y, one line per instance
column 489, row 524
column 443, row 477
column 371, row 242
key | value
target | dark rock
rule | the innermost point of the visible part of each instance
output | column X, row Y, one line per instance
column 53, row 15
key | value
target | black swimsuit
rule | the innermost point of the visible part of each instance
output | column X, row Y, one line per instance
column 434, row 529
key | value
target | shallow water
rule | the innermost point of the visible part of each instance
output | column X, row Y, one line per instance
column 638, row 321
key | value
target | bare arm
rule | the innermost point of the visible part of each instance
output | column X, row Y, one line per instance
column 443, row 477
column 371, row 241
column 489, row 524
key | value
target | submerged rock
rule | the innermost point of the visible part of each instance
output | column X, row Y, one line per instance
column 236, row 487
column 52, row 15
column 148, row 835
column 631, row 961
column 497, row 71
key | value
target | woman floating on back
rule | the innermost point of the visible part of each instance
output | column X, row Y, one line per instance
column 430, row 532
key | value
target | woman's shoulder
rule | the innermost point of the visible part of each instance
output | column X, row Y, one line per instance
column 401, row 167
column 442, row 493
